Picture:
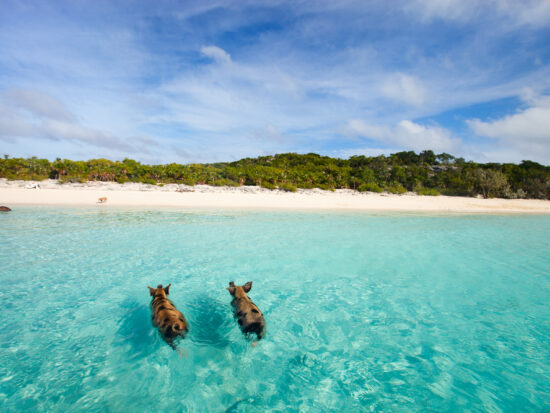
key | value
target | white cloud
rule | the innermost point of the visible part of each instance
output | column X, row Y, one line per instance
column 447, row 9
column 12, row 126
column 40, row 104
column 536, row 12
column 527, row 133
column 56, row 130
column 407, row 135
column 524, row 12
column 404, row 88
column 36, row 115
column 216, row 53
column 241, row 99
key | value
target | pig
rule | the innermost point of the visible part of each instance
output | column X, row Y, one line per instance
column 170, row 322
column 249, row 316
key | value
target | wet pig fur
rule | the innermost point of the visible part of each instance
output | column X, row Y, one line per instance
column 249, row 316
column 170, row 322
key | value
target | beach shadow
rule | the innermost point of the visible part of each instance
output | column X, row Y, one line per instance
column 210, row 320
column 135, row 328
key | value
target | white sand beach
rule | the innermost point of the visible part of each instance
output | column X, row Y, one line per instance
column 50, row 192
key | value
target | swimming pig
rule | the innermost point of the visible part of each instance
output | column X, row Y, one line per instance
column 249, row 316
column 170, row 322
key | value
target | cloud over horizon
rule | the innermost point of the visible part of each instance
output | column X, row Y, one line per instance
column 26, row 114
column 526, row 132
column 407, row 135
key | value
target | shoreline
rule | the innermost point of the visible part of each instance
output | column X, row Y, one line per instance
column 13, row 193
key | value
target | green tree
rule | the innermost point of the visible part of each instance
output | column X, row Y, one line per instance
column 491, row 183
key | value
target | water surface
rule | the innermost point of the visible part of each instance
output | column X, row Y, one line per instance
column 365, row 312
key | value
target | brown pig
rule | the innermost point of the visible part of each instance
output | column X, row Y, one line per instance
column 249, row 316
column 170, row 322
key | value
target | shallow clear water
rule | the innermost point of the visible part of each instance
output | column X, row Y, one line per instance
column 364, row 311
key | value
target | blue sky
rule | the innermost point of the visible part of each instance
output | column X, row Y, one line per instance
column 177, row 81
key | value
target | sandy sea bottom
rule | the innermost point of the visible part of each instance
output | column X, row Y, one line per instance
column 365, row 312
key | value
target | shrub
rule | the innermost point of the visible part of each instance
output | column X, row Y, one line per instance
column 148, row 181
column 491, row 183
column 223, row 182
column 287, row 187
column 217, row 182
column 370, row 187
column 268, row 185
column 427, row 191
column 520, row 193
column 325, row 187
column 396, row 189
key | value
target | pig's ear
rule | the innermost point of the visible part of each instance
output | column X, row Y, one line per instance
column 231, row 290
column 167, row 289
column 151, row 291
column 247, row 286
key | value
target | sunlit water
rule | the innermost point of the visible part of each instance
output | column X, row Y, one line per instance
column 365, row 312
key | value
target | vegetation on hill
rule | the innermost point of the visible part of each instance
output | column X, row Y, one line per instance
column 426, row 173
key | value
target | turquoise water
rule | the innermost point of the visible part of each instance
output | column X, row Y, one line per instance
column 365, row 312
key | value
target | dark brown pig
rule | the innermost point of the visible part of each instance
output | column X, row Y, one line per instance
column 249, row 316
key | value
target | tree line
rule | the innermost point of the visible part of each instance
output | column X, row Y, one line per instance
column 426, row 173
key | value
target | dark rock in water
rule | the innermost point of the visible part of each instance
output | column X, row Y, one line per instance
column 4, row 209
